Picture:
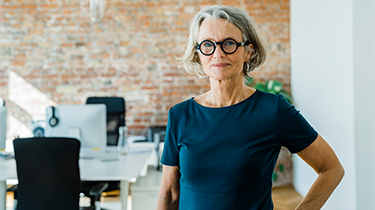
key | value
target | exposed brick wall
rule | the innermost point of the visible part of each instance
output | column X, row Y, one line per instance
column 51, row 53
column 54, row 46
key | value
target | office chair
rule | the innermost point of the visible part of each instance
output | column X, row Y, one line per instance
column 48, row 174
column 115, row 123
column 115, row 116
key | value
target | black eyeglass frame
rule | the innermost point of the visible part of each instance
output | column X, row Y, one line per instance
column 198, row 46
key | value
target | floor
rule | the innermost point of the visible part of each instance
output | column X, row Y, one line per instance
column 146, row 188
column 285, row 198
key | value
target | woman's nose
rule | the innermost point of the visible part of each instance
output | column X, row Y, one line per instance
column 219, row 52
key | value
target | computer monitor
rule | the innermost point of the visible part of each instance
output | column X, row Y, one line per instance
column 87, row 123
column 3, row 126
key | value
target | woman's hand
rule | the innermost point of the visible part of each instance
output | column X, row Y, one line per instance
column 320, row 156
column 169, row 193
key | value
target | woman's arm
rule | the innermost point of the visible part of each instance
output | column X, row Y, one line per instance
column 320, row 156
column 169, row 193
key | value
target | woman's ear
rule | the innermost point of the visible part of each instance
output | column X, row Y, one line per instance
column 249, row 50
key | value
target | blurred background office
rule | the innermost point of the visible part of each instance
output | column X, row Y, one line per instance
column 52, row 52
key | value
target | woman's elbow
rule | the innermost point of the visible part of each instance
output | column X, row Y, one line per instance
column 340, row 172
column 337, row 173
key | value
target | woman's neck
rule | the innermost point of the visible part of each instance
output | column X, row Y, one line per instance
column 226, row 93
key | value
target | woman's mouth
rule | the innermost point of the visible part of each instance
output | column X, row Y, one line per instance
column 220, row 65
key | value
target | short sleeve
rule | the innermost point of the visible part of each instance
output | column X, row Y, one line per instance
column 293, row 130
column 170, row 155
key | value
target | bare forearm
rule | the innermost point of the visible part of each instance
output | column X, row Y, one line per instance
column 322, row 189
column 169, row 194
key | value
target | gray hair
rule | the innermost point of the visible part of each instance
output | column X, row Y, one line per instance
column 249, row 28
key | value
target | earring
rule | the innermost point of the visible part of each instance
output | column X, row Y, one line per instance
column 246, row 66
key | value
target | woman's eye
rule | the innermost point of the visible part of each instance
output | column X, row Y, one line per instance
column 207, row 44
column 229, row 43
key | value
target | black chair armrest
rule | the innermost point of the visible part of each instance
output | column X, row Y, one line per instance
column 98, row 189
column 13, row 188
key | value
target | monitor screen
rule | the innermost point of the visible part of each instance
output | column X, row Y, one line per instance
column 3, row 126
column 87, row 123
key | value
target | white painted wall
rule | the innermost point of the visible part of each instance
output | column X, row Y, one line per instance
column 364, row 97
column 332, row 46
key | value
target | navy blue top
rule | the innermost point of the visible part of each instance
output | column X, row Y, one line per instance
column 227, row 155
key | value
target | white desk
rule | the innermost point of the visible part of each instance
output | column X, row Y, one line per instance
column 124, row 168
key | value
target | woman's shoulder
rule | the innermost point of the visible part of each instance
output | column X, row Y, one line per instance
column 269, row 100
column 182, row 105
column 264, row 97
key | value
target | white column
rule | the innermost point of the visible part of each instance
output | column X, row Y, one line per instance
column 364, row 100
column 332, row 54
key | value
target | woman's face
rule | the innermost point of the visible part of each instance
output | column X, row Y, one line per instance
column 219, row 65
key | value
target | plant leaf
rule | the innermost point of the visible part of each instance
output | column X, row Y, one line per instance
column 260, row 87
column 249, row 81
column 275, row 87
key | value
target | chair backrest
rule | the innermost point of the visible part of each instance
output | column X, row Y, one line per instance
column 48, row 173
column 115, row 116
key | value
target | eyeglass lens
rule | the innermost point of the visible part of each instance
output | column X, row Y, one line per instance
column 208, row 47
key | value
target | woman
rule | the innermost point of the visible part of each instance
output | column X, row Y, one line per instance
column 221, row 147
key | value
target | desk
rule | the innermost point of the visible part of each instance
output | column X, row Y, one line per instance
column 124, row 169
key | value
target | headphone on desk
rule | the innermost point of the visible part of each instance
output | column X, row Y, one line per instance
column 53, row 121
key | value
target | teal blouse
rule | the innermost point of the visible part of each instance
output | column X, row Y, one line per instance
column 227, row 155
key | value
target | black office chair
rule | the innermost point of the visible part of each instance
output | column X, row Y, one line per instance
column 48, row 174
column 115, row 116
column 115, row 121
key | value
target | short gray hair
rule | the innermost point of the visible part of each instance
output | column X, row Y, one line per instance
column 249, row 28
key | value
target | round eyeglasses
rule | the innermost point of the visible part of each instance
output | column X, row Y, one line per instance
column 228, row 46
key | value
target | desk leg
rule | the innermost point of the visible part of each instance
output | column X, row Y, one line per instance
column 124, row 192
column 3, row 193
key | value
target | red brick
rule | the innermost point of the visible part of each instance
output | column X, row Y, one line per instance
column 8, row 7
column 28, row 6
column 18, row 63
column 50, row 6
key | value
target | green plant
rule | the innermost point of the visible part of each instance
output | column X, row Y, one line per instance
column 270, row 86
